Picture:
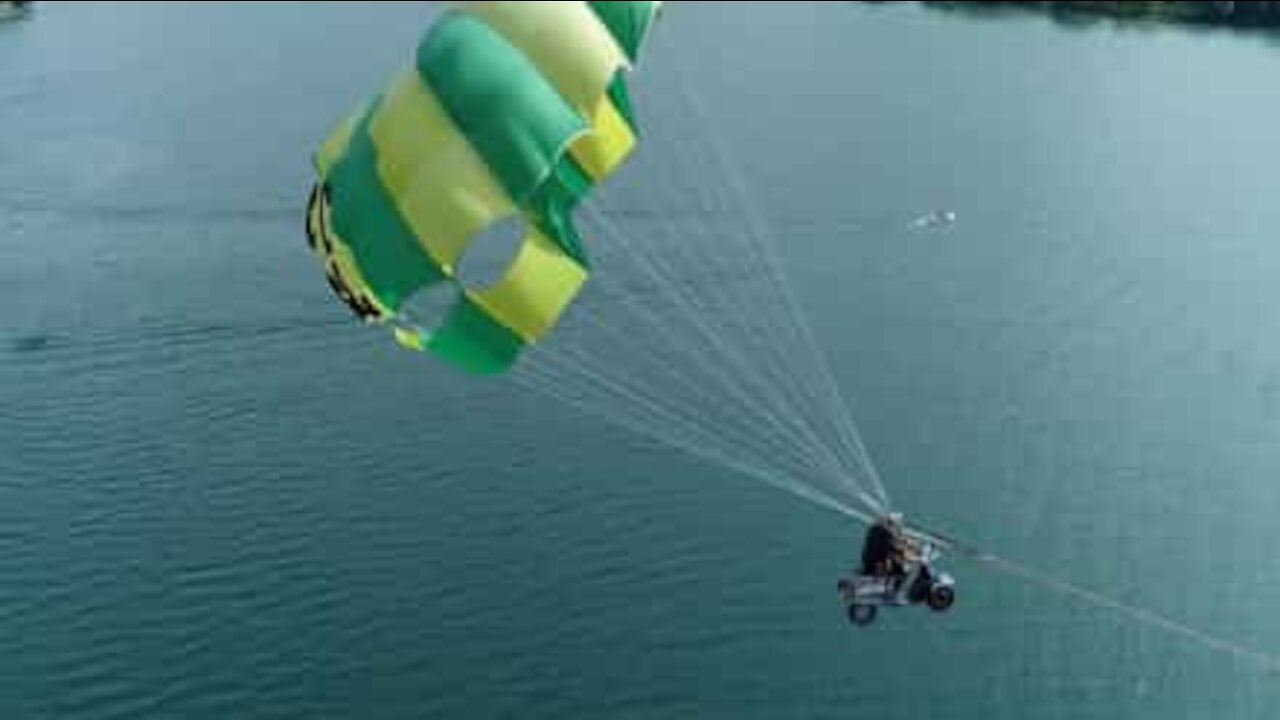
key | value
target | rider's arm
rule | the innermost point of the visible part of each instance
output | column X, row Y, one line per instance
column 909, row 548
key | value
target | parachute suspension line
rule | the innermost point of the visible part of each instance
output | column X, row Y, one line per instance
column 781, row 416
column 731, row 355
column 571, row 363
column 827, row 392
column 763, row 301
column 713, row 248
column 767, row 306
column 708, row 451
column 647, row 372
column 660, row 332
column 710, row 248
column 799, row 364
column 636, row 385
column 630, row 399
column 759, row 246
column 758, row 235
column 662, row 425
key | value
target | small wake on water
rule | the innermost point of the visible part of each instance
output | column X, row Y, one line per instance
column 34, row 343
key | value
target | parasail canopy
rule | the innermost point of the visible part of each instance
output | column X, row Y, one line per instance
column 509, row 112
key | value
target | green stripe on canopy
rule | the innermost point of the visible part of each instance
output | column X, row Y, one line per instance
column 392, row 261
column 472, row 339
column 553, row 203
column 621, row 99
column 501, row 102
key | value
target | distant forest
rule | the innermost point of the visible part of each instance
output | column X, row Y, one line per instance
column 1246, row 13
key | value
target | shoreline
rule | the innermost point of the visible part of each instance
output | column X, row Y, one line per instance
column 1238, row 15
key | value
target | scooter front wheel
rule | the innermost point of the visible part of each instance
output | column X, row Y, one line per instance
column 941, row 599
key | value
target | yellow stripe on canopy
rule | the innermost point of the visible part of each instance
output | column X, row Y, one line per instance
column 335, row 146
column 535, row 290
column 610, row 141
column 442, row 188
column 410, row 339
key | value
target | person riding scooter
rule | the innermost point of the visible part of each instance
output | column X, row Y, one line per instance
column 887, row 551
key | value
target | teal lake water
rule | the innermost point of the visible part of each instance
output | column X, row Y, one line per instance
column 219, row 499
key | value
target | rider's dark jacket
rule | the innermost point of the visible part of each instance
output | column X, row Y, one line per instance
column 877, row 549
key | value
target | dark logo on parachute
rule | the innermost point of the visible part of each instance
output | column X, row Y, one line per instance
column 321, row 240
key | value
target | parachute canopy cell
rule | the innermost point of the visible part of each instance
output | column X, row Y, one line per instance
column 508, row 111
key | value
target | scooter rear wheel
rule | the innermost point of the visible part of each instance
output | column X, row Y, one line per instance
column 862, row 615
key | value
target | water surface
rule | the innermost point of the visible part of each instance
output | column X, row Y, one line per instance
column 217, row 498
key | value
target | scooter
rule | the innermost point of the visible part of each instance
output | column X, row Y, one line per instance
column 863, row 595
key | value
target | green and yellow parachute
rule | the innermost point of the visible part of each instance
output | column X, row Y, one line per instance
column 510, row 110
